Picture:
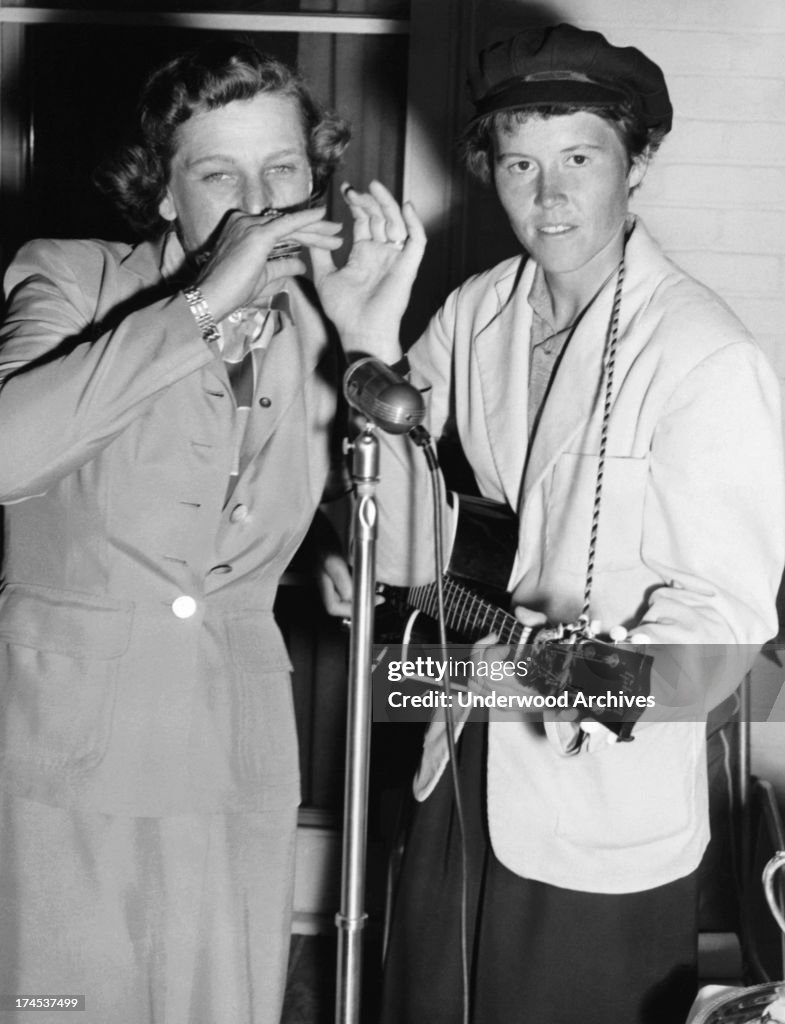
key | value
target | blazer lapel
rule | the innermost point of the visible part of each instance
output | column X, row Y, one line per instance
column 501, row 352
column 291, row 357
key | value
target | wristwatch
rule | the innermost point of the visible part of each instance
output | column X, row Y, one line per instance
column 202, row 315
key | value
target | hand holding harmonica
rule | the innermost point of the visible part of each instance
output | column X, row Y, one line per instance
column 252, row 251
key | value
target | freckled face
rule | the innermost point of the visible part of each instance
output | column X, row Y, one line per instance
column 564, row 183
column 247, row 155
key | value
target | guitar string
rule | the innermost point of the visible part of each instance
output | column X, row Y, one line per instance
column 467, row 608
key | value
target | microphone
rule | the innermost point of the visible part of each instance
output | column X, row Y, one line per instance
column 379, row 393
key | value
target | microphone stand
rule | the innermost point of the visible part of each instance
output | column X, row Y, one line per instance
column 350, row 919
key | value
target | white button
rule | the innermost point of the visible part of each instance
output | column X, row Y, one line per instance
column 184, row 606
column 239, row 513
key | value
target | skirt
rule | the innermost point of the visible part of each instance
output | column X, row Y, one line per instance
column 537, row 953
column 177, row 920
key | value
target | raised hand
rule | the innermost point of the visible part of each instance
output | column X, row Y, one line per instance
column 367, row 297
column 237, row 272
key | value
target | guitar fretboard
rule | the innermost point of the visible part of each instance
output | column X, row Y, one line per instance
column 468, row 613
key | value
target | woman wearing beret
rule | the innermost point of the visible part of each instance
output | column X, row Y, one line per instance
column 589, row 359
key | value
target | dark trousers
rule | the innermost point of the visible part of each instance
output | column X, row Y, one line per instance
column 538, row 954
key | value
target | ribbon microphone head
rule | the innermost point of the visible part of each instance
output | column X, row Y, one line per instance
column 381, row 394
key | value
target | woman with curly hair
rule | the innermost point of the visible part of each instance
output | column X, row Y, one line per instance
column 204, row 80
column 169, row 426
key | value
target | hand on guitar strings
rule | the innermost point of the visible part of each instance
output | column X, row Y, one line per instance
column 488, row 650
column 566, row 729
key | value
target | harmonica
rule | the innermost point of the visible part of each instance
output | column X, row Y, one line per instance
column 281, row 250
column 286, row 247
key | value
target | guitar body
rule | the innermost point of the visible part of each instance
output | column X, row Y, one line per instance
column 486, row 542
column 562, row 658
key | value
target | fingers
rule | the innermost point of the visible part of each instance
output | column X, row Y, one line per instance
column 306, row 226
column 357, row 207
column 593, row 728
column 335, row 606
column 486, row 641
column 393, row 223
column 238, row 269
column 370, row 222
column 498, row 673
column 414, row 227
column 320, row 229
column 528, row 617
column 287, row 266
column 337, row 571
column 379, row 218
column 315, row 239
column 322, row 263
column 288, row 222
column 323, row 234
column 335, row 585
column 488, row 649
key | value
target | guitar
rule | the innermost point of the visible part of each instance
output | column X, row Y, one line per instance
column 603, row 681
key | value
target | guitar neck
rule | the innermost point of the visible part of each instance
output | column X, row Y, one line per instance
column 468, row 613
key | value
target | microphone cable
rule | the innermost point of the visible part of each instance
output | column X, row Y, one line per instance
column 423, row 440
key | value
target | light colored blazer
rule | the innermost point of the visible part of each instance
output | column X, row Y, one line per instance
column 141, row 669
column 690, row 546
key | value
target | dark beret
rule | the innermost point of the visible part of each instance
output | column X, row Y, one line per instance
column 564, row 65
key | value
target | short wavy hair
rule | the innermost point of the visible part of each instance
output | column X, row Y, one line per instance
column 476, row 143
column 135, row 178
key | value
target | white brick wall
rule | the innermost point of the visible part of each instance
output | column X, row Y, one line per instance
column 715, row 194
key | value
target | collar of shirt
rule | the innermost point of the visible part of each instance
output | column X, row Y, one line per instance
column 539, row 299
column 251, row 328
column 545, row 347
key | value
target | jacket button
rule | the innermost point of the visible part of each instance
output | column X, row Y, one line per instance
column 184, row 607
column 238, row 513
column 219, row 570
column 265, row 402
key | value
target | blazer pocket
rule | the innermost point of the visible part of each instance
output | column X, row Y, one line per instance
column 258, row 709
column 571, row 506
column 625, row 798
column 59, row 652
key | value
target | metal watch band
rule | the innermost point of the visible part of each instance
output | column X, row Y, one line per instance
column 202, row 315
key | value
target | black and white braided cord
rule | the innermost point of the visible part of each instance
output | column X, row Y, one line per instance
column 609, row 359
